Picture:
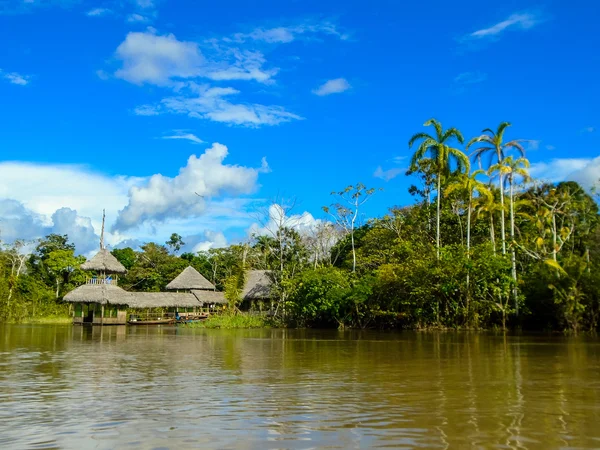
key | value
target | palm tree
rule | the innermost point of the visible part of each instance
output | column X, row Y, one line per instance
column 470, row 184
column 442, row 155
column 494, row 145
column 512, row 168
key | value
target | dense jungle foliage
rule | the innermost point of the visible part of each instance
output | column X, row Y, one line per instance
column 483, row 246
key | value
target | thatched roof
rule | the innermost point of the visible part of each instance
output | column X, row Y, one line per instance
column 105, row 262
column 162, row 300
column 190, row 278
column 258, row 285
column 98, row 293
column 209, row 297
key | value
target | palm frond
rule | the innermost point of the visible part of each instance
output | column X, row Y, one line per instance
column 416, row 137
column 438, row 127
column 516, row 145
column 501, row 128
column 453, row 132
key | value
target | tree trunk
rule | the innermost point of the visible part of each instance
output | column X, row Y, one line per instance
column 512, row 247
column 469, row 254
column 492, row 232
column 554, row 236
column 502, row 230
column 352, row 238
column 439, row 197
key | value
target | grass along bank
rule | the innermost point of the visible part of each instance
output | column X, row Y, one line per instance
column 50, row 320
column 231, row 321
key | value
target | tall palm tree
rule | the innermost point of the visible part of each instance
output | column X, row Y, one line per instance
column 512, row 168
column 442, row 154
column 494, row 145
column 471, row 185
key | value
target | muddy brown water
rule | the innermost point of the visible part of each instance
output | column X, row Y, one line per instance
column 175, row 387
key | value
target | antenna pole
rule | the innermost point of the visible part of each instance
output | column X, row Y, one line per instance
column 102, row 233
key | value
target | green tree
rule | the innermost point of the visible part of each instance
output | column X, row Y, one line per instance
column 470, row 185
column 492, row 144
column 511, row 169
column 125, row 256
column 440, row 151
column 175, row 242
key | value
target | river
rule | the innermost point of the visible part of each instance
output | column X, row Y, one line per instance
column 174, row 387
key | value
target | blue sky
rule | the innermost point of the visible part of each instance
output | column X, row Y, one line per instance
column 104, row 103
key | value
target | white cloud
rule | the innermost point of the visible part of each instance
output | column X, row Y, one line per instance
column 146, row 110
column 242, row 65
column 144, row 3
column 137, row 18
column 156, row 59
column 180, row 134
column 335, row 86
column 586, row 171
column 470, row 78
column 285, row 35
column 550, row 147
column 589, row 175
column 97, row 12
column 389, row 174
column 186, row 194
column 532, row 144
column 303, row 223
column 15, row 78
column 520, row 21
column 20, row 222
column 212, row 104
column 588, row 130
column 102, row 75
column 205, row 241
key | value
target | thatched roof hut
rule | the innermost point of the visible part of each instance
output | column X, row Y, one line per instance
column 104, row 262
column 209, row 297
column 258, row 285
column 189, row 279
column 162, row 300
column 98, row 293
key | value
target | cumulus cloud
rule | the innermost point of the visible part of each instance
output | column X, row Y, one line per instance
column 389, row 174
column 518, row 21
column 156, row 59
column 586, row 171
column 20, row 222
column 185, row 195
column 212, row 103
column 205, row 241
column 276, row 215
column 335, row 86
column 79, row 229
column 45, row 188
column 163, row 60
column 15, row 78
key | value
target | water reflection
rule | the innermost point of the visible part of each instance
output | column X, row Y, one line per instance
column 172, row 387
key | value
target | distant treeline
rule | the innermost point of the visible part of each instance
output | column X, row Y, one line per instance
column 483, row 246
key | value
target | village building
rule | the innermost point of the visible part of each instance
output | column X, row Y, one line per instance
column 257, row 295
column 100, row 301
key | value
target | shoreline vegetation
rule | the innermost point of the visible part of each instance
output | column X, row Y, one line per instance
column 484, row 245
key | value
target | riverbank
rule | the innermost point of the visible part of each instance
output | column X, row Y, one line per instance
column 233, row 321
column 49, row 320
